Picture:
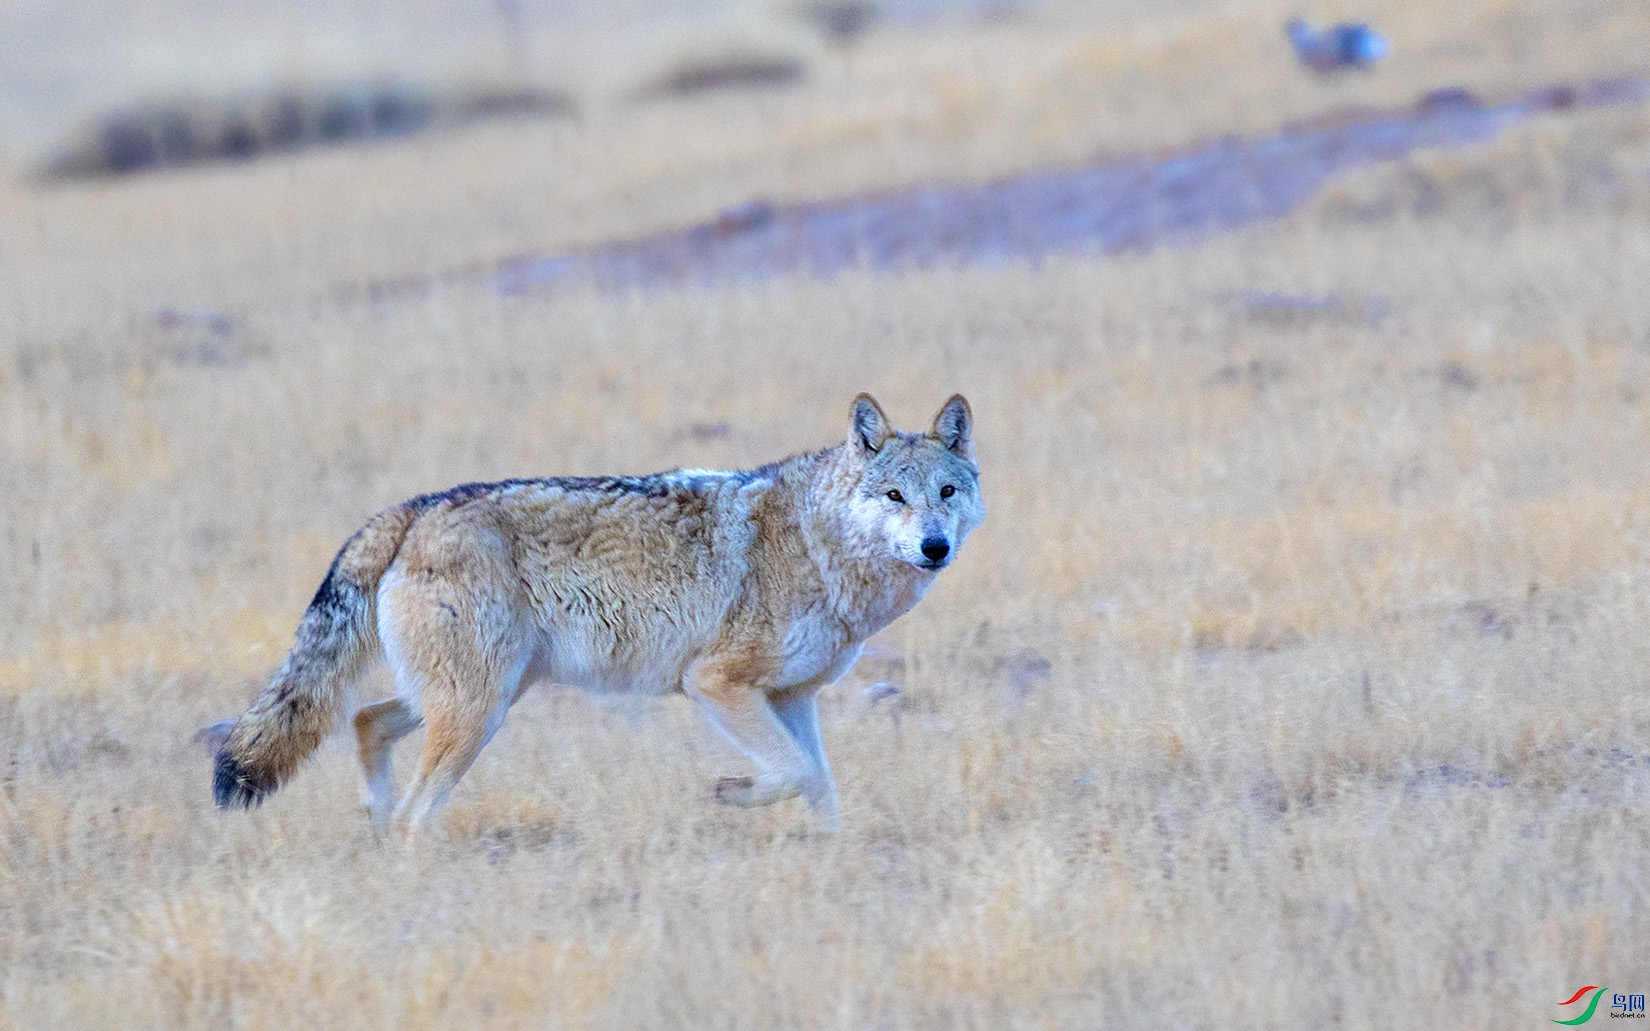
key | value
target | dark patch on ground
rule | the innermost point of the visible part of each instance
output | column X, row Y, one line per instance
column 204, row 338
column 501, row 843
column 1590, row 775
column 1458, row 376
column 206, row 341
column 1301, row 310
column 212, row 322
column 67, row 755
column 731, row 73
column 709, row 430
column 1255, row 373
column 1024, row 669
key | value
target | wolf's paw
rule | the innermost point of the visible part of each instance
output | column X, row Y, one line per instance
column 754, row 791
column 736, row 791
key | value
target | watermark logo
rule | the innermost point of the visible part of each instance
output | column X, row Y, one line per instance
column 1630, row 1007
column 1598, row 993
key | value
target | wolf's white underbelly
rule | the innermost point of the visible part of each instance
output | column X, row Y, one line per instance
column 578, row 661
column 582, row 663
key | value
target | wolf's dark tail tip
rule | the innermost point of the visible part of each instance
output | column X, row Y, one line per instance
column 234, row 786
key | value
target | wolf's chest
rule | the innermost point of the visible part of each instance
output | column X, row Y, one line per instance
column 816, row 652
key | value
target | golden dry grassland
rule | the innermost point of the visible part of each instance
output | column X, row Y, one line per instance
column 1297, row 677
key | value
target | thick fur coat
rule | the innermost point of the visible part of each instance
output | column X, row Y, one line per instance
column 746, row 590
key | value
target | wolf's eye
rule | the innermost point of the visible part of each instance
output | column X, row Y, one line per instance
column 947, row 490
column 896, row 496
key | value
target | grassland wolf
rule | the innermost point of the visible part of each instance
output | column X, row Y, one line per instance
column 748, row 591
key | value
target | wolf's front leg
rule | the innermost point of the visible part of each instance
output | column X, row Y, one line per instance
column 744, row 716
column 800, row 715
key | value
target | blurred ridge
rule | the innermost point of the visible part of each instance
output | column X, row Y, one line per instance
column 1129, row 205
column 172, row 134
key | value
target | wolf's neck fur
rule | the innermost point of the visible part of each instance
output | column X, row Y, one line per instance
column 864, row 586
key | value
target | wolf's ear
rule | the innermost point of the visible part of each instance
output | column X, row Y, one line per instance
column 954, row 427
column 868, row 428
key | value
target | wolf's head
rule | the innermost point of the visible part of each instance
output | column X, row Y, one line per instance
column 918, row 495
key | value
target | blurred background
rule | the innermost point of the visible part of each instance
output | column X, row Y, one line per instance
column 1294, row 679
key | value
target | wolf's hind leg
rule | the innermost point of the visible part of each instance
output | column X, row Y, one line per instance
column 377, row 728
column 465, row 701
column 457, row 653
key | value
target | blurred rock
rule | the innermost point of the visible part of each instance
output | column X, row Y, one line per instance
column 212, row 322
column 1025, row 668
column 841, row 20
column 739, row 218
column 1337, row 47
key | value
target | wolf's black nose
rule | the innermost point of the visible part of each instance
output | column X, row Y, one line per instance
column 934, row 549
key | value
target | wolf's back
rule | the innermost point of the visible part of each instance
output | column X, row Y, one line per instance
column 336, row 640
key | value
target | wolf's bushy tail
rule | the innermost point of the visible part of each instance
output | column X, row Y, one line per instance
column 336, row 640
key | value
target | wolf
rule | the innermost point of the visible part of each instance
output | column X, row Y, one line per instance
column 747, row 591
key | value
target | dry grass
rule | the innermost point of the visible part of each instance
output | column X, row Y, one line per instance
column 1295, row 678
